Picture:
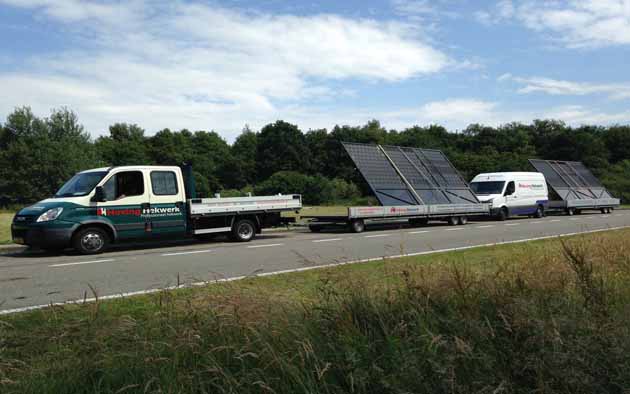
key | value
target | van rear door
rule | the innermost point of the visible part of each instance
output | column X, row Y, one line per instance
column 167, row 212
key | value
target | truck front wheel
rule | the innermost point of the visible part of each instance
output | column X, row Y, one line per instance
column 90, row 240
column 243, row 230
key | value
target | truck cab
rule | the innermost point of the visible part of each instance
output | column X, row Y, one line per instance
column 104, row 205
column 512, row 193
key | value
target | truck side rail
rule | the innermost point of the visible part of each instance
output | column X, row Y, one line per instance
column 208, row 206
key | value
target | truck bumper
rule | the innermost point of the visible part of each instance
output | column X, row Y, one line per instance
column 43, row 235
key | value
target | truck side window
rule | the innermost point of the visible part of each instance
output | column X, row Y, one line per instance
column 124, row 184
column 164, row 183
column 510, row 189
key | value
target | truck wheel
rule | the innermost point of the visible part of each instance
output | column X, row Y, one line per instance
column 357, row 226
column 540, row 212
column 243, row 230
column 463, row 220
column 503, row 214
column 453, row 220
column 90, row 240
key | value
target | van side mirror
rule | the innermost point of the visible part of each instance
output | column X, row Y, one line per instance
column 99, row 194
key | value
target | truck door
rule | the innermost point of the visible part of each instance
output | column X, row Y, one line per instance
column 125, row 194
column 167, row 213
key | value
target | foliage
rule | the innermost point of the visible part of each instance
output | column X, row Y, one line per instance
column 544, row 317
column 38, row 155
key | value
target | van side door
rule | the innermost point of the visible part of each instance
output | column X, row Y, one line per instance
column 167, row 213
column 125, row 193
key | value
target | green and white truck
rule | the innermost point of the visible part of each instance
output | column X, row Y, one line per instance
column 102, row 206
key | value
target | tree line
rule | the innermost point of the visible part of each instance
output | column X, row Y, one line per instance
column 38, row 154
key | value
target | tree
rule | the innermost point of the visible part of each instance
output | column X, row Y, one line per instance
column 125, row 145
column 281, row 147
column 242, row 166
column 41, row 154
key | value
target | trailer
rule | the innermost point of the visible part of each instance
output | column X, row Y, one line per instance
column 413, row 185
column 574, row 188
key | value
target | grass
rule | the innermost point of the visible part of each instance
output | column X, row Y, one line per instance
column 5, row 227
column 549, row 316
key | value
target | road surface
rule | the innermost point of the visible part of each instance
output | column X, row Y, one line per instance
column 30, row 279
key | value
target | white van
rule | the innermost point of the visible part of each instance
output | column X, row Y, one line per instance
column 512, row 193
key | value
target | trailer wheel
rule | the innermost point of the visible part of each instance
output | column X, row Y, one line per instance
column 357, row 226
column 90, row 240
column 609, row 210
column 418, row 222
column 453, row 220
column 315, row 228
column 463, row 220
column 571, row 211
column 540, row 212
column 243, row 230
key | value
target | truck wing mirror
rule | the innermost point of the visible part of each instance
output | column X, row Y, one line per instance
column 99, row 194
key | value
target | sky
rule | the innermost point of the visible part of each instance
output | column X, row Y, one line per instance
column 221, row 65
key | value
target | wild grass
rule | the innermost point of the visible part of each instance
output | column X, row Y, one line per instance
column 5, row 227
column 544, row 317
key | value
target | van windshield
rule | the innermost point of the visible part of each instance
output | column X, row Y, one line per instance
column 80, row 184
column 485, row 188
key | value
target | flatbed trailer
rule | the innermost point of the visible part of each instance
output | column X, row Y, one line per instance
column 411, row 184
column 573, row 188
column 357, row 218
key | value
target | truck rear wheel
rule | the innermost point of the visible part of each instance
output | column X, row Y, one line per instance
column 90, row 240
column 243, row 230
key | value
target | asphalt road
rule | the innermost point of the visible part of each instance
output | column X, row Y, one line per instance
column 31, row 279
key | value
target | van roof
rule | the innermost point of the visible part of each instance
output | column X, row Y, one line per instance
column 512, row 174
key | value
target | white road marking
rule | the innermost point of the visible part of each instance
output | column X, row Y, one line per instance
column 538, row 222
column 190, row 252
column 512, row 224
column 419, row 232
column 81, row 263
column 454, row 229
column 236, row 278
column 263, row 246
column 488, row 226
column 574, row 219
column 619, row 214
column 327, row 240
column 377, row 236
column 555, row 220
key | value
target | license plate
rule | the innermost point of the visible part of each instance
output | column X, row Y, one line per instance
column 18, row 240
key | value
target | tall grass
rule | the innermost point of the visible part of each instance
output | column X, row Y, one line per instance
column 551, row 319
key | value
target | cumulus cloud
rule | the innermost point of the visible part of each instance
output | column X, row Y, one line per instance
column 182, row 64
column 574, row 23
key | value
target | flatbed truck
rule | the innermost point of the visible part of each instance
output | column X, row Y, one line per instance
column 102, row 206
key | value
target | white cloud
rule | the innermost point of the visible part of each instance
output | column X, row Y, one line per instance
column 189, row 65
column 574, row 23
column 616, row 91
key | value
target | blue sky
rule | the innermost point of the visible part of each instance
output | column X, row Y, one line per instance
column 218, row 65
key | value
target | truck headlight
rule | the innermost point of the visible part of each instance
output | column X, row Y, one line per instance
column 50, row 214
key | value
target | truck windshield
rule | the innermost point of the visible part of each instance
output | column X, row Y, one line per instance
column 80, row 184
column 484, row 188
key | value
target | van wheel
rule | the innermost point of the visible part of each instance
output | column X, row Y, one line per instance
column 90, row 240
column 243, row 230
column 463, row 220
column 503, row 214
column 540, row 212
column 357, row 226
